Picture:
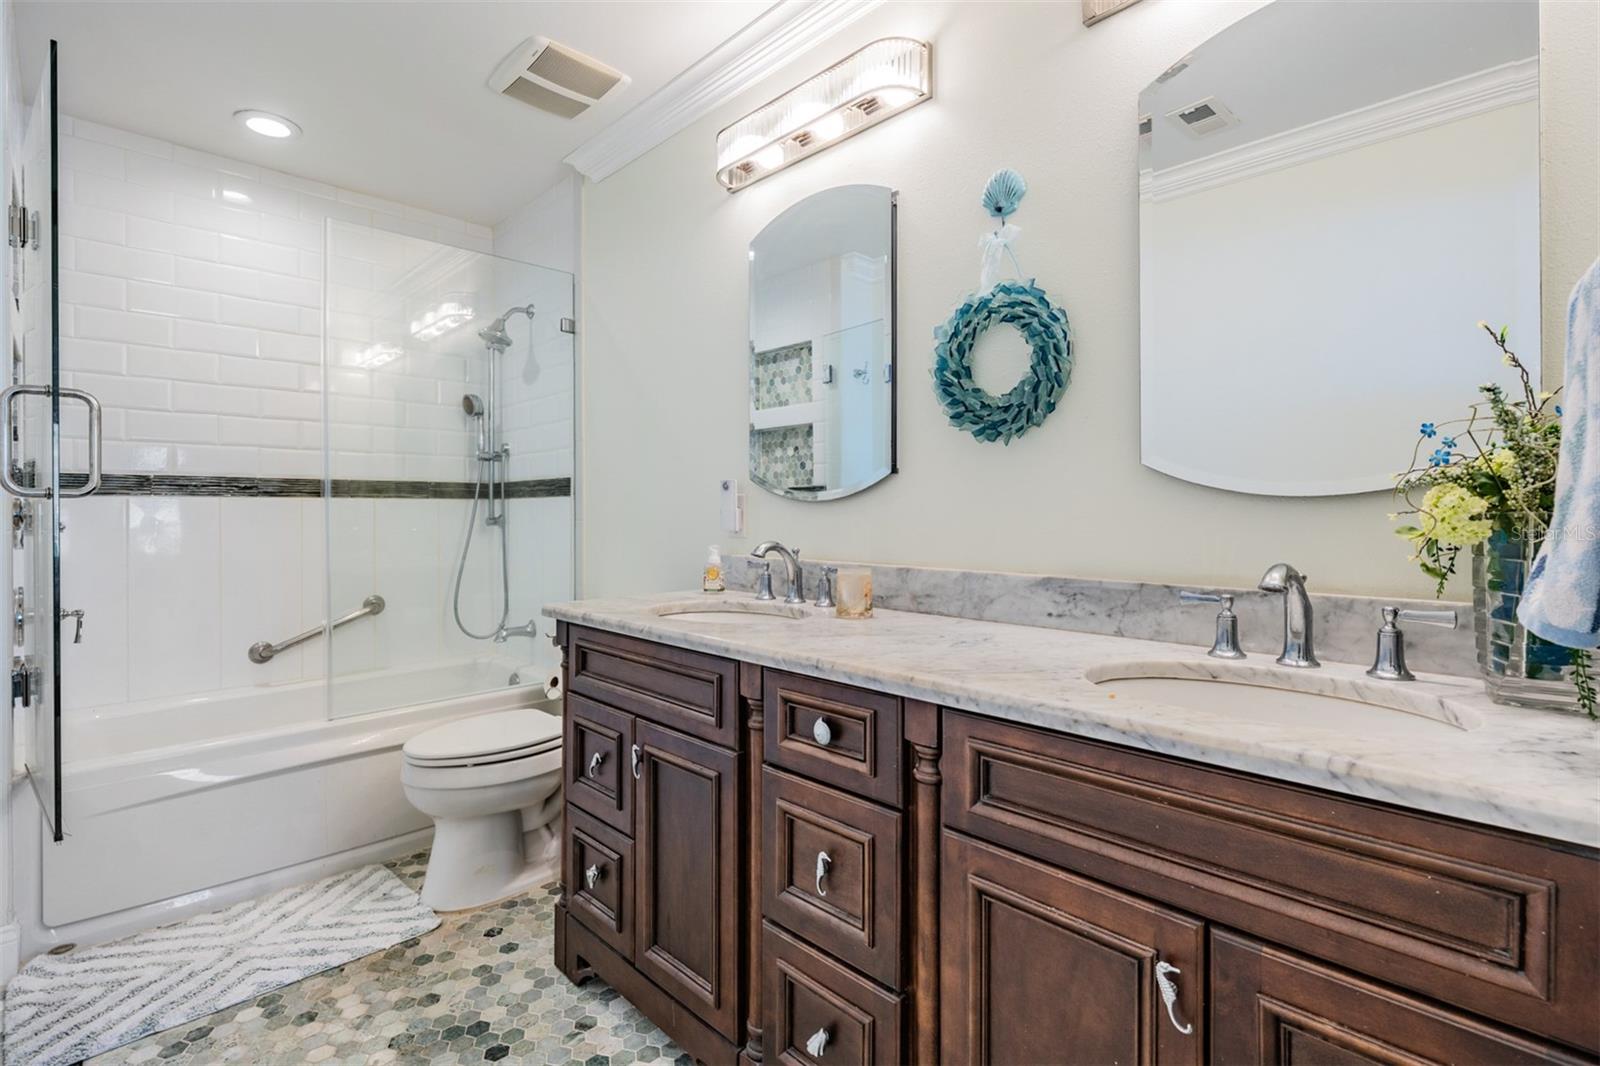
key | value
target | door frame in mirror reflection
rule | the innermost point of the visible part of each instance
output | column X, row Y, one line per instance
column 793, row 323
column 1331, row 197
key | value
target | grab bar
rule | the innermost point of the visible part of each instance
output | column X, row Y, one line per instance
column 263, row 651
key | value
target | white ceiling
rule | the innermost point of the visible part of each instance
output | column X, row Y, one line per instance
column 392, row 96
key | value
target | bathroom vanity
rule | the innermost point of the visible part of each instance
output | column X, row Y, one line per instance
column 794, row 838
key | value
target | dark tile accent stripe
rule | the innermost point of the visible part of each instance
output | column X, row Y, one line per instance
column 192, row 485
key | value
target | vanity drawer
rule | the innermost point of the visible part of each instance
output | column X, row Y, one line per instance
column 848, row 903
column 599, row 880
column 808, row 994
column 844, row 736
column 599, row 743
column 693, row 693
column 1490, row 921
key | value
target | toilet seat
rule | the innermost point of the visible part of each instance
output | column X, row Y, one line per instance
column 503, row 736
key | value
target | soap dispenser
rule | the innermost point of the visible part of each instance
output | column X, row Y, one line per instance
column 711, row 579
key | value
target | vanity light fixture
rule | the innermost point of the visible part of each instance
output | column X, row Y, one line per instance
column 882, row 79
column 267, row 124
column 453, row 312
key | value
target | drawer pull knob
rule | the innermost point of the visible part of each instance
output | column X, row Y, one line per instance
column 822, row 732
column 1169, row 994
column 637, row 757
column 818, row 1043
column 594, row 765
column 590, row 876
column 824, row 860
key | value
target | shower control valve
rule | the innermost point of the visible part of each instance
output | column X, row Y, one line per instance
column 77, row 616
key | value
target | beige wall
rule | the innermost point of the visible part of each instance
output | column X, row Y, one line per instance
column 1020, row 85
column 1569, row 149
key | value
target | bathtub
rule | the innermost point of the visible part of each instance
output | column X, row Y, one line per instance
column 180, row 806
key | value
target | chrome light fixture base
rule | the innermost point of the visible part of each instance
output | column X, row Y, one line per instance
column 881, row 79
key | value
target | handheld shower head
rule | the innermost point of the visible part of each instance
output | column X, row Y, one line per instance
column 472, row 404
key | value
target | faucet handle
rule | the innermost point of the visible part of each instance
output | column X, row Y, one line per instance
column 825, row 586
column 764, row 583
column 1444, row 617
column 1389, row 663
column 1226, row 643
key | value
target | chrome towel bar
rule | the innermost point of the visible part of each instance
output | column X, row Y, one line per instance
column 263, row 651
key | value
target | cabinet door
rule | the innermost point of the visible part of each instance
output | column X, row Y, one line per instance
column 686, row 853
column 1272, row 1006
column 1042, row 966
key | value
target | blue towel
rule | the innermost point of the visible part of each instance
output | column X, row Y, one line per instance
column 1562, row 600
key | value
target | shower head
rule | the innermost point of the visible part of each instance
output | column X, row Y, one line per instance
column 472, row 404
column 495, row 335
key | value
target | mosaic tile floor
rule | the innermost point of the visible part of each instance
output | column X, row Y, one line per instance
column 482, row 988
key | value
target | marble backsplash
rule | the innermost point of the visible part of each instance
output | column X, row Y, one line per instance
column 1345, row 626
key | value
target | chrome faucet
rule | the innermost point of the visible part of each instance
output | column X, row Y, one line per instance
column 504, row 631
column 791, row 564
column 1298, row 648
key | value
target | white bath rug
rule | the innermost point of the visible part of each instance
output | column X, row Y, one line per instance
column 65, row 1008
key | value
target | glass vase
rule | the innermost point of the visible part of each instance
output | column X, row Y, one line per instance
column 1518, row 668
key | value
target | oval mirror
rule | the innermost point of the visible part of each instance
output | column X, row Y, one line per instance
column 822, row 388
column 1332, row 195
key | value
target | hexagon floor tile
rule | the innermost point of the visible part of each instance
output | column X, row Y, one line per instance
column 481, row 988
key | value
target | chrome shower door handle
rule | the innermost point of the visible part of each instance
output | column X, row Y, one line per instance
column 8, row 421
column 824, row 860
column 593, row 769
column 96, row 417
column 1168, row 988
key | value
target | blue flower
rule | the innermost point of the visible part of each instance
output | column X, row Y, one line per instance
column 1558, row 410
column 1441, row 457
column 1448, row 442
column 1428, row 430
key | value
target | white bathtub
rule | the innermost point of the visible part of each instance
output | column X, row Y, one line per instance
column 180, row 806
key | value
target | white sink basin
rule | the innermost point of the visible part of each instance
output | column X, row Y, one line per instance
column 1274, row 694
column 736, row 612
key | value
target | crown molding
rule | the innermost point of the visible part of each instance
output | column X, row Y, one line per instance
column 1487, row 90
column 786, row 30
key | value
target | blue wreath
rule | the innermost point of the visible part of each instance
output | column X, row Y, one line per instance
column 1024, row 306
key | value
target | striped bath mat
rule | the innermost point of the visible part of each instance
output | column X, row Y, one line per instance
column 65, row 1008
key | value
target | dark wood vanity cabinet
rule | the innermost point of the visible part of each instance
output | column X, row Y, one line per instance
column 776, row 867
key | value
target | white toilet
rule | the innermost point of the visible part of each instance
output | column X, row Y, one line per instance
column 485, row 781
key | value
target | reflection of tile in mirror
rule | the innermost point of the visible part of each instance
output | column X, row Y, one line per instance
column 781, row 376
column 784, row 457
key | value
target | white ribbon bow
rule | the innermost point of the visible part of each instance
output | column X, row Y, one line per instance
column 994, row 246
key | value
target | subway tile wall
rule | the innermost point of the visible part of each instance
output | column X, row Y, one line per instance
column 192, row 304
column 176, row 589
column 193, row 296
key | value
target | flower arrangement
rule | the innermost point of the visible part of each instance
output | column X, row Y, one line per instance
column 1491, row 474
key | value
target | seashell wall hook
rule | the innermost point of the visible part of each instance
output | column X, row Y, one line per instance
column 1003, row 193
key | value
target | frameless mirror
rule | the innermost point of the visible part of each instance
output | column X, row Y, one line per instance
column 822, row 422
column 1331, row 196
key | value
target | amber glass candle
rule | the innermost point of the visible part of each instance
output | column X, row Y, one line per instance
column 852, row 592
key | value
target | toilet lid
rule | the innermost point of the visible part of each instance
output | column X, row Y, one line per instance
column 501, row 733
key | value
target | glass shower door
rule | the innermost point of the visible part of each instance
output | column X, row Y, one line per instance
column 449, row 385
column 32, row 450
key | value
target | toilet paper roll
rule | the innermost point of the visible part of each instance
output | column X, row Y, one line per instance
column 552, row 687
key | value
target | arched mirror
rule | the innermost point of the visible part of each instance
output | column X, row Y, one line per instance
column 822, row 377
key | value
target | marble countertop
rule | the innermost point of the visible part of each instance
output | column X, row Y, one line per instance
column 1442, row 746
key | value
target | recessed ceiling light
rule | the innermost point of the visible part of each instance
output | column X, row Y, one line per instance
column 267, row 124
